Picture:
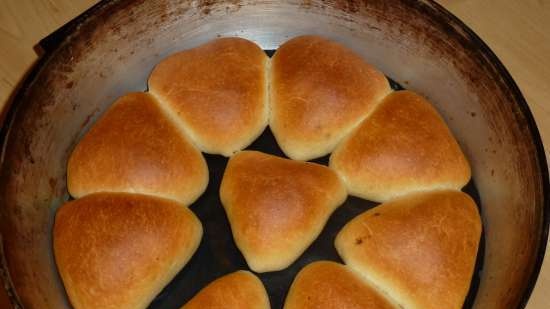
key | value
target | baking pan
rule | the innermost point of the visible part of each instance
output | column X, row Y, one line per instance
column 111, row 49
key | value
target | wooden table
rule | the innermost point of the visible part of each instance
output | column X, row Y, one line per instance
column 517, row 31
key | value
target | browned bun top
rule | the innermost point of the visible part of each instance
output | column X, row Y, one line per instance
column 135, row 148
column 277, row 207
column 129, row 232
column 118, row 250
column 331, row 285
column 402, row 147
column 218, row 91
column 420, row 249
column 320, row 91
column 238, row 290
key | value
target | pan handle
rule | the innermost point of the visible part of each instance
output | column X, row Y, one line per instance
column 54, row 39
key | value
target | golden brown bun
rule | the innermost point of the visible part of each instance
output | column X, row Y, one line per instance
column 331, row 285
column 238, row 290
column 135, row 148
column 420, row 249
column 320, row 91
column 218, row 91
column 118, row 250
column 277, row 207
column 404, row 146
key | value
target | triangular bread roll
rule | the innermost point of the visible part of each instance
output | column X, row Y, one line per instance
column 118, row 250
column 320, row 91
column 404, row 146
column 277, row 207
column 238, row 290
column 420, row 249
column 331, row 285
column 135, row 148
column 218, row 91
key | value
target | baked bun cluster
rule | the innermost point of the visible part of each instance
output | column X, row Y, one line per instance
column 129, row 231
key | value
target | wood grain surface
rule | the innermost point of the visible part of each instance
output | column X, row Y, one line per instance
column 517, row 31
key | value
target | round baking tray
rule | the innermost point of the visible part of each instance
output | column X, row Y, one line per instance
column 405, row 39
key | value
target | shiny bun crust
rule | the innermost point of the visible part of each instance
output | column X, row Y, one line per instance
column 277, row 207
column 320, row 91
column 403, row 147
column 119, row 250
column 420, row 249
column 135, row 148
column 218, row 93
